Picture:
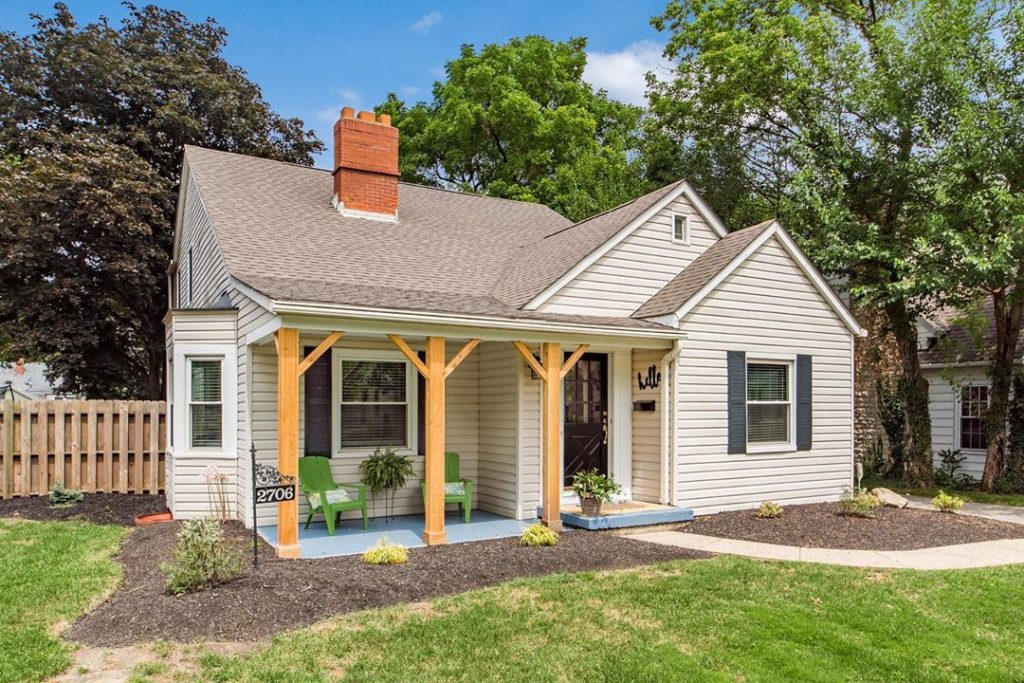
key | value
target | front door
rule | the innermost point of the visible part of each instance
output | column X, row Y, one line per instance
column 586, row 416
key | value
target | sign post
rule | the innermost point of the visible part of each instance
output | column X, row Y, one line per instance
column 268, row 486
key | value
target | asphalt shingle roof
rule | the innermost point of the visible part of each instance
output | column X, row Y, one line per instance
column 956, row 343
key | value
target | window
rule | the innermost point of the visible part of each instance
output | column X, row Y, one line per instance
column 769, row 409
column 374, row 403
column 205, row 407
column 973, row 403
column 680, row 228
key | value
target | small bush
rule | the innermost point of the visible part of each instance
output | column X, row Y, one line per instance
column 769, row 510
column 62, row 496
column 859, row 503
column 947, row 503
column 386, row 552
column 537, row 535
column 203, row 558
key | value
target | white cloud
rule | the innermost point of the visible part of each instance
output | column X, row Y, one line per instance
column 426, row 22
column 410, row 90
column 623, row 73
column 346, row 97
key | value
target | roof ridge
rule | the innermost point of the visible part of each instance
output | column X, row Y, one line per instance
column 253, row 156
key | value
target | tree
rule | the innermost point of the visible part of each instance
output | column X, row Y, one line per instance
column 840, row 110
column 978, row 216
column 94, row 122
column 517, row 120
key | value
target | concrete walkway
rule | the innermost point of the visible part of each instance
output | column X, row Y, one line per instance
column 964, row 556
column 1002, row 513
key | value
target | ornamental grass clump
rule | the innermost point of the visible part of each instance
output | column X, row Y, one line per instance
column 537, row 535
column 386, row 552
column 859, row 503
column 947, row 503
column 769, row 510
column 203, row 557
column 62, row 496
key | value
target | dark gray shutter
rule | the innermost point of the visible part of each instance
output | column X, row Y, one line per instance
column 318, row 406
column 736, row 367
column 421, row 403
column 803, row 403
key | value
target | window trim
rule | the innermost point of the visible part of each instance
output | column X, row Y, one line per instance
column 189, row 403
column 958, row 417
column 411, row 374
column 789, row 360
column 686, row 228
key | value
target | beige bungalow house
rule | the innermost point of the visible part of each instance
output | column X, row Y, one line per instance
column 326, row 313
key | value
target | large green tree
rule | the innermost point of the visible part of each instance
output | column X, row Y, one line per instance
column 840, row 110
column 517, row 120
column 93, row 119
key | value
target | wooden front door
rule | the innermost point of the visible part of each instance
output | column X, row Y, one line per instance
column 586, row 416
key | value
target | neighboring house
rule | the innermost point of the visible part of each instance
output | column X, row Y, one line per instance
column 23, row 381
column 955, row 366
column 714, row 368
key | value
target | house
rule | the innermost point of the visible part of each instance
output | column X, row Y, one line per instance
column 25, row 382
column 320, row 313
column 954, row 363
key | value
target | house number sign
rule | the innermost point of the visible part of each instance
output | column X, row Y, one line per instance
column 651, row 381
column 268, row 486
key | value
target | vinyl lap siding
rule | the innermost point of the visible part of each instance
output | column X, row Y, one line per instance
column 766, row 306
column 496, row 472
column 943, row 407
column 205, row 267
column 636, row 268
column 646, row 449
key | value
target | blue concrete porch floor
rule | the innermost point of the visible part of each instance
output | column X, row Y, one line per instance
column 350, row 539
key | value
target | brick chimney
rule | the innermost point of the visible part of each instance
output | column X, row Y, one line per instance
column 366, row 165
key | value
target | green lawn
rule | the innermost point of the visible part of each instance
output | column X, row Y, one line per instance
column 50, row 572
column 725, row 619
column 972, row 495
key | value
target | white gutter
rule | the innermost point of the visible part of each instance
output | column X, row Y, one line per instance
column 669, row 424
column 395, row 315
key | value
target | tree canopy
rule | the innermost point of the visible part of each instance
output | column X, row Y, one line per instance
column 517, row 120
column 94, row 122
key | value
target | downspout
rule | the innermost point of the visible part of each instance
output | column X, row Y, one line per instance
column 669, row 424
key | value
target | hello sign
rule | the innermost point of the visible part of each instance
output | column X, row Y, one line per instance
column 651, row 381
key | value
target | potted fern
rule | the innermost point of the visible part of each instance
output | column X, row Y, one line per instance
column 593, row 489
column 385, row 472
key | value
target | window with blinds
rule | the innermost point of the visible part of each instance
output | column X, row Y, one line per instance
column 205, row 407
column 769, row 404
column 374, row 403
column 973, row 404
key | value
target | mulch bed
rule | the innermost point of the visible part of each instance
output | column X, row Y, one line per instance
column 822, row 526
column 98, row 508
column 289, row 594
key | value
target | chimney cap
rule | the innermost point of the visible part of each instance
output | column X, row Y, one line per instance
column 367, row 116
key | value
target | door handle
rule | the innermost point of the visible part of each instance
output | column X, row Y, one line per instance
column 604, row 427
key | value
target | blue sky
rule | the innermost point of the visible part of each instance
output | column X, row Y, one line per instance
column 312, row 58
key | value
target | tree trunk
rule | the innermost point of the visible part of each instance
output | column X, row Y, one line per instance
column 913, row 390
column 1008, row 322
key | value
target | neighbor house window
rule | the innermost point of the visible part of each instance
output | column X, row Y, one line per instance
column 680, row 228
column 206, row 411
column 374, row 403
column 769, row 404
column 973, row 403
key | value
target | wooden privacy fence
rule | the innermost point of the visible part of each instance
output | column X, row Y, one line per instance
column 91, row 446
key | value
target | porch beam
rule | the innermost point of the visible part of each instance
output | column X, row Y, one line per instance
column 433, row 530
column 411, row 355
column 287, row 342
column 571, row 361
column 315, row 355
column 460, row 356
column 528, row 356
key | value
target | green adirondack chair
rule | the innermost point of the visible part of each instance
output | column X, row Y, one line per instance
column 322, row 493
column 452, row 493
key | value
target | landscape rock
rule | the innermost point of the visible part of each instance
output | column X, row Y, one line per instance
column 890, row 498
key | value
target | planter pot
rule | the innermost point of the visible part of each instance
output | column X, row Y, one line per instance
column 590, row 506
column 153, row 518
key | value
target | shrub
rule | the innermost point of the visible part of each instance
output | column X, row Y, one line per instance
column 203, row 558
column 947, row 503
column 386, row 552
column 769, row 510
column 859, row 503
column 62, row 496
column 537, row 535
column 951, row 462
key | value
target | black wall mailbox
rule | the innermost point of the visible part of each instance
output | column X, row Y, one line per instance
column 643, row 406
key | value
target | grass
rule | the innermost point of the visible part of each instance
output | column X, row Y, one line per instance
column 970, row 495
column 50, row 572
column 724, row 619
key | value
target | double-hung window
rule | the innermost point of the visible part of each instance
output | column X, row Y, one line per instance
column 769, row 403
column 973, row 404
column 374, row 403
column 205, row 405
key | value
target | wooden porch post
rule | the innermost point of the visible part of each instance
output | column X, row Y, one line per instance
column 287, row 340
